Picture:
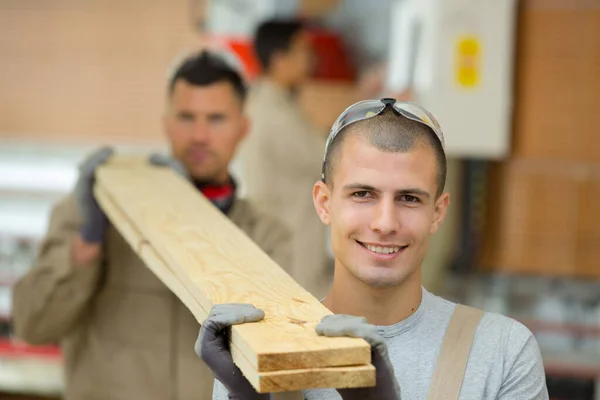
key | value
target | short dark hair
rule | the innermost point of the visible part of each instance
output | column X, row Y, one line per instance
column 205, row 68
column 274, row 35
column 389, row 132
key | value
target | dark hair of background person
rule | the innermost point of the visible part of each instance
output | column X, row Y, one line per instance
column 206, row 68
column 273, row 36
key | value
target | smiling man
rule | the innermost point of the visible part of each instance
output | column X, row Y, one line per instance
column 382, row 195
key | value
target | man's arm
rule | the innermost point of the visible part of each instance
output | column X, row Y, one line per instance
column 525, row 378
column 50, row 298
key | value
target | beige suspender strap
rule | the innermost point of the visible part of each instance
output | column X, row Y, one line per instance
column 454, row 354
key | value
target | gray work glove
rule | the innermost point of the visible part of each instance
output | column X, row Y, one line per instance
column 386, row 387
column 94, row 220
column 212, row 347
column 162, row 160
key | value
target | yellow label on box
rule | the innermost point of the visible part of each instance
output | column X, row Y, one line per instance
column 468, row 59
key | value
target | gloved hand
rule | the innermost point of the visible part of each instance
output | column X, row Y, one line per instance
column 212, row 347
column 386, row 387
column 94, row 219
column 162, row 160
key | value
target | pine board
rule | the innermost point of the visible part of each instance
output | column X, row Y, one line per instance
column 205, row 265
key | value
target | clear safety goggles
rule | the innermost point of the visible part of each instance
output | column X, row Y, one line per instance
column 370, row 108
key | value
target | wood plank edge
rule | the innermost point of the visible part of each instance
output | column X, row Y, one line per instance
column 360, row 355
column 317, row 378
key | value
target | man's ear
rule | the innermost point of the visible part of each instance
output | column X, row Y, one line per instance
column 439, row 213
column 321, row 200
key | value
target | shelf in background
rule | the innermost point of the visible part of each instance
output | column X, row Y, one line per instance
column 11, row 348
column 25, row 369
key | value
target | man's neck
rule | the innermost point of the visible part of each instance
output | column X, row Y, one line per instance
column 381, row 306
column 222, row 195
column 281, row 83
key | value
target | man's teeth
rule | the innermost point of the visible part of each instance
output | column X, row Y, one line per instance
column 382, row 250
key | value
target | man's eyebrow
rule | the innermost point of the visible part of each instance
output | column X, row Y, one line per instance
column 411, row 191
column 415, row 191
column 359, row 186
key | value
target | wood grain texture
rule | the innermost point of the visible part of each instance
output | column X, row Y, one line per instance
column 205, row 259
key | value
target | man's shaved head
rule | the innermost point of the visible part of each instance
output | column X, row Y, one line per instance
column 391, row 133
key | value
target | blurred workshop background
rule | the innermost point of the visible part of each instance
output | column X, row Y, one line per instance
column 514, row 84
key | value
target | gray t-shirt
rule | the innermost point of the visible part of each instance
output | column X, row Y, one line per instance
column 504, row 364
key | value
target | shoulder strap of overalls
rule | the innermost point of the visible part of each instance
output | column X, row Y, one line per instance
column 454, row 354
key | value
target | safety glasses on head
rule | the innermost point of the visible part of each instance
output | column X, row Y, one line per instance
column 370, row 108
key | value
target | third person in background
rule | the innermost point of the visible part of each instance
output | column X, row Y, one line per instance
column 281, row 156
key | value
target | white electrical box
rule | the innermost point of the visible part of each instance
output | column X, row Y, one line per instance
column 457, row 56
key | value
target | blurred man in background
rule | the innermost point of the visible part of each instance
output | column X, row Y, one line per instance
column 123, row 334
column 280, row 159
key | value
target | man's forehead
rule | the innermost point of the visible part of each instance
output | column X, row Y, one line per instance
column 358, row 158
column 358, row 146
column 216, row 96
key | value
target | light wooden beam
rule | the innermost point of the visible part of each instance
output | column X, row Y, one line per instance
column 205, row 259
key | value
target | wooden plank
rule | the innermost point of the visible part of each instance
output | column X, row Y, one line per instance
column 269, row 382
column 216, row 265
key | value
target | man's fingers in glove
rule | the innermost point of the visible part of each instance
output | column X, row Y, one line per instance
column 236, row 313
column 159, row 159
column 163, row 160
column 98, row 157
column 226, row 315
column 348, row 325
column 221, row 317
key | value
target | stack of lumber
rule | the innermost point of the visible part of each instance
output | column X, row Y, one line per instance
column 205, row 259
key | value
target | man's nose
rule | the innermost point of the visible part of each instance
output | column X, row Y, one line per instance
column 200, row 132
column 386, row 220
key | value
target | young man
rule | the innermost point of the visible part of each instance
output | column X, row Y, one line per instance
column 123, row 334
column 280, row 158
column 382, row 194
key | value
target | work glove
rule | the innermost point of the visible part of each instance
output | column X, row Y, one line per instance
column 386, row 386
column 212, row 347
column 162, row 160
column 94, row 220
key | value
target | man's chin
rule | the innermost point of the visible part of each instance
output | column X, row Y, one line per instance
column 381, row 277
column 381, row 281
column 201, row 176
